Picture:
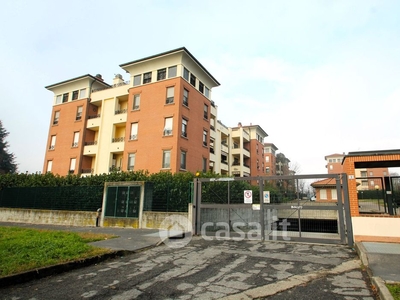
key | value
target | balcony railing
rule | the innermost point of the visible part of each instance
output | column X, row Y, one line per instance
column 94, row 116
column 91, row 143
column 51, row 147
column 87, row 171
column 114, row 169
column 118, row 140
column 121, row 111
column 74, row 145
column 110, row 87
column 133, row 137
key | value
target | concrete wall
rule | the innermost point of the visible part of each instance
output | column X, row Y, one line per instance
column 376, row 229
column 54, row 217
column 79, row 218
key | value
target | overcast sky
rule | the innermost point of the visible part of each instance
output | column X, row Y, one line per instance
column 320, row 77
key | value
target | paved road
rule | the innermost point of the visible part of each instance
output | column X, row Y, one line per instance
column 212, row 270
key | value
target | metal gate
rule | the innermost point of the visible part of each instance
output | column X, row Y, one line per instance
column 307, row 208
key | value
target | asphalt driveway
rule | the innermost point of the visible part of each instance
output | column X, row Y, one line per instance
column 212, row 270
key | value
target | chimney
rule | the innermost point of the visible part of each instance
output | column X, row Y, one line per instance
column 99, row 77
column 239, row 124
column 118, row 79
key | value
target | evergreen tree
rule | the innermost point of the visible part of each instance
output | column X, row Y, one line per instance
column 7, row 160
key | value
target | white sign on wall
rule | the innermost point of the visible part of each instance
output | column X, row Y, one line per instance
column 266, row 197
column 248, row 196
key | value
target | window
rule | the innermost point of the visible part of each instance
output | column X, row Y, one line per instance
column 186, row 97
column 79, row 113
column 267, row 170
column 134, row 131
column 172, row 72
column 207, row 92
column 76, row 139
column 201, row 87
column 52, row 142
column 82, row 93
column 204, row 165
column 49, row 165
column 75, row 95
column 192, row 80
column 147, row 77
column 364, row 183
column 267, row 159
column 131, row 161
column 186, row 74
column 56, row 117
column 137, row 79
column 166, row 162
column 205, row 137
column 330, row 167
column 184, row 127
column 371, row 173
column 136, row 101
column 168, row 126
column 170, row 95
column 334, row 194
column 372, row 183
column 161, row 74
column 183, row 160
column 65, row 97
column 322, row 194
column 72, row 165
column 58, row 99
column 363, row 173
column 206, row 111
column 384, row 173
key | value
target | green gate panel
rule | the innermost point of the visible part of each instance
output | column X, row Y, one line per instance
column 134, row 201
column 111, row 201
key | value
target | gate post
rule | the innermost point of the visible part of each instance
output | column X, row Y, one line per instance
column 347, row 214
column 261, row 195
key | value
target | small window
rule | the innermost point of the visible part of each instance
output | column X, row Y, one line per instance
column 170, row 95
column 136, row 102
column 82, row 93
column 186, row 74
column 49, row 165
column 166, row 163
column 183, row 160
column 185, row 97
column 201, row 87
column 72, row 165
column 204, row 165
column 206, row 111
column 168, row 127
column 323, row 194
column 56, row 117
column 161, row 74
column 52, row 142
column 192, row 80
column 137, row 79
column 205, row 139
column 58, row 99
column 79, row 113
column 147, row 77
column 76, row 139
column 207, row 92
column 65, row 97
column 75, row 95
column 172, row 72
column 131, row 161
column 134, row 131
column 184, row 127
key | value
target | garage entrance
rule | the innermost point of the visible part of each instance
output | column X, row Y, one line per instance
column 272, row 208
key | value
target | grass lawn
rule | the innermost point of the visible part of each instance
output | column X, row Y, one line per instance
column 23, row 249
column 394, row 289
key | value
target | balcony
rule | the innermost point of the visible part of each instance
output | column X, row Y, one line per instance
column 224, row 148
column 224, row 165
column 93, row 122
column 120, row 116
column 117, row 144
column 213, row 134
column 90, row 148
column 213, row 111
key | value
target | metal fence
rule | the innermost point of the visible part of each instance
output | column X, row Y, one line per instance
column 73, row 198
column 159, row 196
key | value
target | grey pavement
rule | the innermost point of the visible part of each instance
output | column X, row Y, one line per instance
column 204, row 270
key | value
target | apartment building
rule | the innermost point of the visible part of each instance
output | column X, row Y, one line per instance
column 270, row 158
column 161, row 118
column 366, row 178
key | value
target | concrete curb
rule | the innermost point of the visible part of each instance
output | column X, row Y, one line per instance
column 61, row 268
column 378, row 282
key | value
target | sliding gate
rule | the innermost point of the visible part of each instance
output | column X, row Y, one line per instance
column 307, row 208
